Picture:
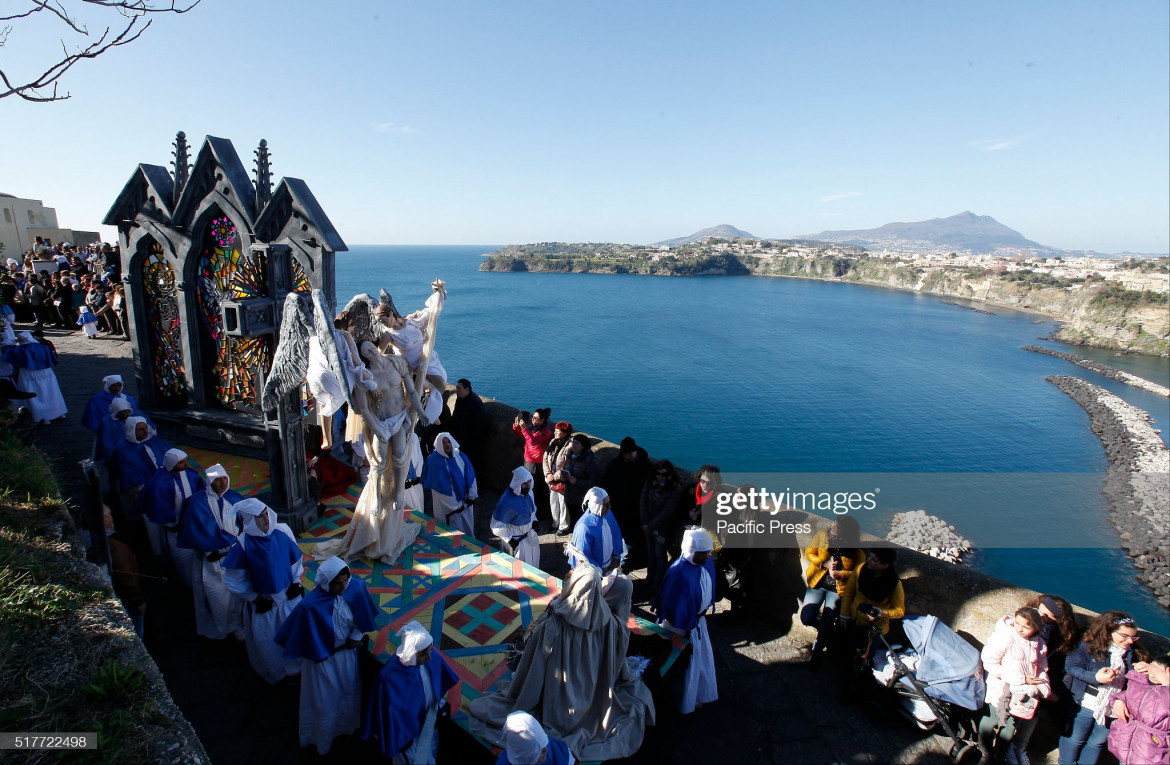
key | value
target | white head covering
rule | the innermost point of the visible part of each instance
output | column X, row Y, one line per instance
column 119, row 404
column 252, row 508
column 595, row 500
column 328, row 570
column 696, row 540
column 439, row 443
column 415, row 638
column 524, row 739
column 173, row 457
column 520, row 476
column 132, row 427
column 217, row 471
column 109, row 380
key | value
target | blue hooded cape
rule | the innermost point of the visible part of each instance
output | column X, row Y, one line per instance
column 680, row 599
column 111, row 434
column 198, row 529
column 396, row 708
column 268, row 560
column 157, row 500
column 515, row 509
column 30, row 356
column 557, row 753
column 587, row 538
column 98, row 410
column 130, row 466
column 441, row 474
column 307, row 633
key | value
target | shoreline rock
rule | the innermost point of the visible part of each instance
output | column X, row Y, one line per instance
column 928, row 534
column 1137, row 483
column 1104, row 369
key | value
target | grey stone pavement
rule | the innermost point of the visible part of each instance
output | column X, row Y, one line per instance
column 772, row 709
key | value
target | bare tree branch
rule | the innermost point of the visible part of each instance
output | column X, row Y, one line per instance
column 132, row 10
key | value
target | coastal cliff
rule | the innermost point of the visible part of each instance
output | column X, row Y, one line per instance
column 1092, row 312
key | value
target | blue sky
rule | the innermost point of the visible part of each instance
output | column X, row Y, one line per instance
column 506, row 122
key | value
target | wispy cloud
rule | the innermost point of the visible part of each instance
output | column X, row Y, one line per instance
column 842, row 195
column 999, row 144
column 393, row 127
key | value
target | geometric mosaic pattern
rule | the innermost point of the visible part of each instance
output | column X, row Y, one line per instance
column 472, row 598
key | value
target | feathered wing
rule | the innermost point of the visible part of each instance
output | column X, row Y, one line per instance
column 385, row 299
column 323, row 328
column 290, row 362
column 361, row 309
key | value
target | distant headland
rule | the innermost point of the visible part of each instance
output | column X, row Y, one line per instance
column 1101, row 301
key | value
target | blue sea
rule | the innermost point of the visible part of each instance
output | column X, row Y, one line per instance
column 773, row 377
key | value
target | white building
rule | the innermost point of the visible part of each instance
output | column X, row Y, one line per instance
column 23, row 220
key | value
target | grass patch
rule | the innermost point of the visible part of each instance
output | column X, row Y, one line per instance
column 24, row 473
column 63, row 663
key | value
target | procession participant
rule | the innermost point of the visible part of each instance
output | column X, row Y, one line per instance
column 415, row 496
column 687, row 593
column 124, row 574
column 324, row 632
column 208, row 527
column 33, row 363
column 263, row 568
column 573, row 676
column 514, row 516
column 526, row 743
column 161, row 503
column 405, row 700
column 99, row 405
column 111, row 434
column 596, row 534
column 134, row 461
column 449, row 475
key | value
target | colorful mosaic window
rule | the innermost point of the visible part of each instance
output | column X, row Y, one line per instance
column 225, row 273
column 166, row 329
column 300, row 280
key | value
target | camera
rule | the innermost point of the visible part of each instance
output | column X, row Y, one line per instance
column 525, row 416
column 870, row 610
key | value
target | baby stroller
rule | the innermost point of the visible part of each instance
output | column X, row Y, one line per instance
column 937, row 681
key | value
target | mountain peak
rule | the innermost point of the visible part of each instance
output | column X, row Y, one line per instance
column 964, row 231
column 722, row 231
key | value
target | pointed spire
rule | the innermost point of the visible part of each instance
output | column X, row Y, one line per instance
column 181, row 164
column 263, row 176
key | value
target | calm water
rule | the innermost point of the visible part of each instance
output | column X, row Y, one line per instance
column 792, row 376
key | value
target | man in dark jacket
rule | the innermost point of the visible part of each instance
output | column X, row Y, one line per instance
column 468, row 420
column 624, row 479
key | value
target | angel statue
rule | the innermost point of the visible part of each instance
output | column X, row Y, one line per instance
column 310, row 351
column 378, row 529
column 413, row 335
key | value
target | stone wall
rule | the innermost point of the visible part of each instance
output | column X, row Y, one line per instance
column 968, row 601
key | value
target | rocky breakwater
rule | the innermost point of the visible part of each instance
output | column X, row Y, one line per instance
column 1137, row 483
column 929, row 535
column 1104, row 369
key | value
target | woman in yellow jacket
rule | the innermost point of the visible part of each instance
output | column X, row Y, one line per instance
column 876, row 584
column 832, row 555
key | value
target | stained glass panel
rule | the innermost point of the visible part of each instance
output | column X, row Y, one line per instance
column 300, row 280
column 166, row 330
column 225, row 273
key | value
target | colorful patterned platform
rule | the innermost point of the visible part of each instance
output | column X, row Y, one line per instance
column 473, row 598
